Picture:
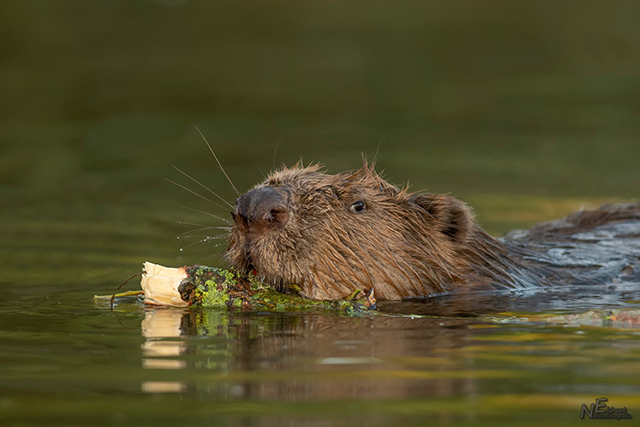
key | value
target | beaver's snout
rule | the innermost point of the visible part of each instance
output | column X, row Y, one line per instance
column 265, row 205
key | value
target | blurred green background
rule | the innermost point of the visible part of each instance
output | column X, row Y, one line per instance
column 526, row 110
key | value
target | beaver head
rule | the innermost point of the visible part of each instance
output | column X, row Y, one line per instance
column 331, row 234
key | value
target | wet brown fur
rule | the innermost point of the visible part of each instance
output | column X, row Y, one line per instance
column 402, row 244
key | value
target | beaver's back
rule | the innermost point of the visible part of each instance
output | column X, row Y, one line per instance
column 596, row 246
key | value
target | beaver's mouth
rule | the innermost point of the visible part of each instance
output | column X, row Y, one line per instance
column 250, row 267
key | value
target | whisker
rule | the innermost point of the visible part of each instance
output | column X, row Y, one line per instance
column 276, row 152
column 203, row 186
column 220, row 255
column 192, row 223
column 216, row 157
column 191, row 233
column 207, row 213
column 206, row 239
column 195, row 194
column 198, row 230
column 208, row 227
column 375, row 157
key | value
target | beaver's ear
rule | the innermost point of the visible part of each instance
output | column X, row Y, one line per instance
column 453, row 218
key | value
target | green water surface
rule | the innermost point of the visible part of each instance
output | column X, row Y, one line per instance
column 525, row 110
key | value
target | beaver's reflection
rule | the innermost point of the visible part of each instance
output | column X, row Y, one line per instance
column 291, row 356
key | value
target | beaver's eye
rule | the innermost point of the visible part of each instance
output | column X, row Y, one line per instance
column 357, row 207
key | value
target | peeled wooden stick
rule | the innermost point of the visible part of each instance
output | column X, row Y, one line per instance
column 160, row 284
column 216, row 287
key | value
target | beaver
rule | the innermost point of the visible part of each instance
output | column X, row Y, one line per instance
column 332, row 234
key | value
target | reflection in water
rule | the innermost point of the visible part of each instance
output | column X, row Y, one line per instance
column 164, row 343
column 451, row 352
column 156, row 327
column 304, row 357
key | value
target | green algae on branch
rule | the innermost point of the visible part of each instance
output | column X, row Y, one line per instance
column 219, row 288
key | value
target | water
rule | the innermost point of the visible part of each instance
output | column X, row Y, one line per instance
column 526, row 111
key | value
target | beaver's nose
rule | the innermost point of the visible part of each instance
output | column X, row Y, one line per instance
column 265, row 204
